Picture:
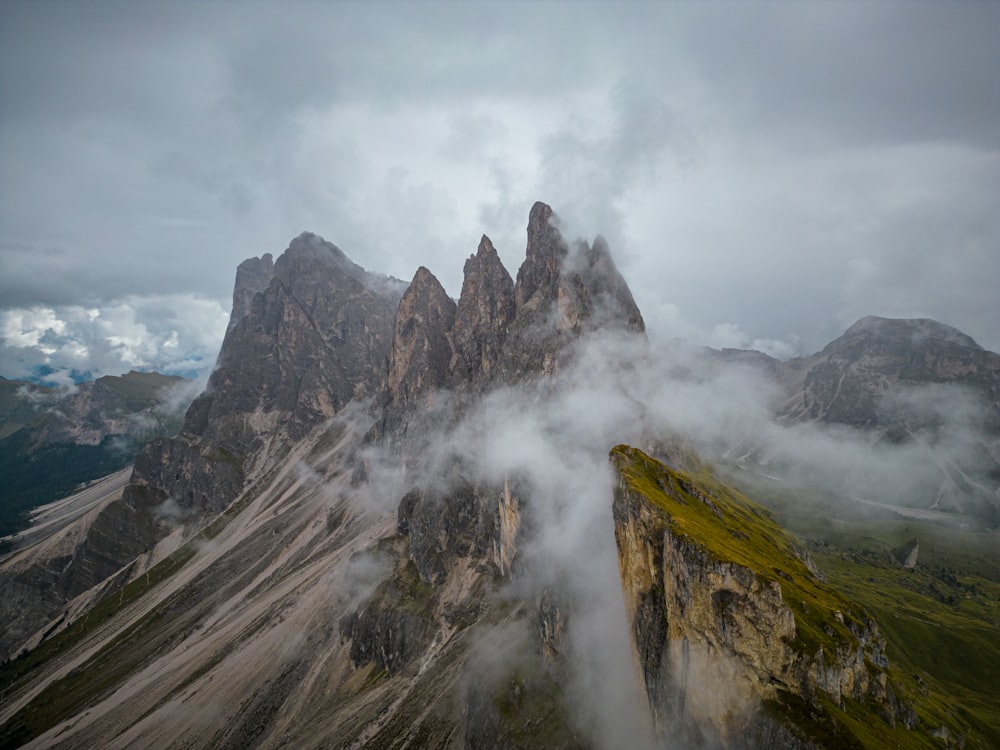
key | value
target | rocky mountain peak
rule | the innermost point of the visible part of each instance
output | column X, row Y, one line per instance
column 592, row 294
column 907, row 332
column 485, row 311
column 309, row 254
column 252, row 277
column 315, row 339
column 539, row 274
column 562, row 291
column 252, row 569
column 422, row 348
column 845, row 382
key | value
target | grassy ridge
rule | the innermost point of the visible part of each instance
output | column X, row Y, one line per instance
column 732, row 528
column 939, row 622
column 944, row 646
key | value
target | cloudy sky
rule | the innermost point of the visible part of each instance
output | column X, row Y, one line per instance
column 765, row 174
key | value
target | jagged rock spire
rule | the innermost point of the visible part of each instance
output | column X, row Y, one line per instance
column 592, row 293
column 538, row 276
column 422, row 348
column 252, row 277
column 485, row 312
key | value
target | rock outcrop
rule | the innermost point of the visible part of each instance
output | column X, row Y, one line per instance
column 714, row 590
column 501, row 333
column 485, row 312
column 906, row 554
column 253, row 276
column 255, row 588
column 422, row 345
column 899, row 383
column 317, row 338
column 846, row 382
column 562, row 291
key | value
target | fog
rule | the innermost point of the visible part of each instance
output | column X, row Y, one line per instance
column 553, row 437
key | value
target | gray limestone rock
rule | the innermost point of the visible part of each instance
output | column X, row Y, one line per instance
column 422, row 346
column 485, row 311
column 252, row 277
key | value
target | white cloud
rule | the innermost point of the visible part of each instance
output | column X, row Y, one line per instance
column 745, row 171
column 168, row 333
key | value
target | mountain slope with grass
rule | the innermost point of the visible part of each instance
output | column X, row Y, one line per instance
column 390, row 522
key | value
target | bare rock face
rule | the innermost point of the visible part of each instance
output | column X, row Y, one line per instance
column 252, row 277
column 485, row 311
column 906, row 554
column 845, row 382
column 316, row 338
column 422, row 345
column 500, row 333
column 592, row 293
column 193, row 476
column 701, row 605
column 538, row 277
column 561, row 293
column 466, row 520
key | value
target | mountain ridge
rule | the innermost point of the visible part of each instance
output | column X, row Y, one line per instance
column 370, row 531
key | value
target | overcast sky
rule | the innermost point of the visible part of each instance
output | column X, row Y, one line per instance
column 765, row 174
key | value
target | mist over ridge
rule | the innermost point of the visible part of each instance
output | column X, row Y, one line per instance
column 409, row 499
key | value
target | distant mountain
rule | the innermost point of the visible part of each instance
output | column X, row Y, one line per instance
column 902, row 382
column 390, row 520
column 849, row 380
column 52, row 440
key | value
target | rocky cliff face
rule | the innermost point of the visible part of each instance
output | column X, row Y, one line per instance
column 253, row 276
column 423, row 347
column 846, row 382
column 316, row 338
column 485, row 312
column 268, row 593
column 501, row 333
column 714, row 590
column 561, row 293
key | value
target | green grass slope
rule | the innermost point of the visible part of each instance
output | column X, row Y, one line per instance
column 940, row 624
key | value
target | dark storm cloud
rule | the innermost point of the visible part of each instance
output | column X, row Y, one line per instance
column 765, row 172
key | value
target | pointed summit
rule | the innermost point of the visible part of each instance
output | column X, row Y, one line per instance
column 485, row 312
column 593, row 294
column 422, row 348
column 252, row 276
column 561, row 293
column 539, row 274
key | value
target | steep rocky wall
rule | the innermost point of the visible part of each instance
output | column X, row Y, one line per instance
column 713, row 589
column 253, row 276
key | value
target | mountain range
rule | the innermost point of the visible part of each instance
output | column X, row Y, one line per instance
column 53, row 439
column 394, row 519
